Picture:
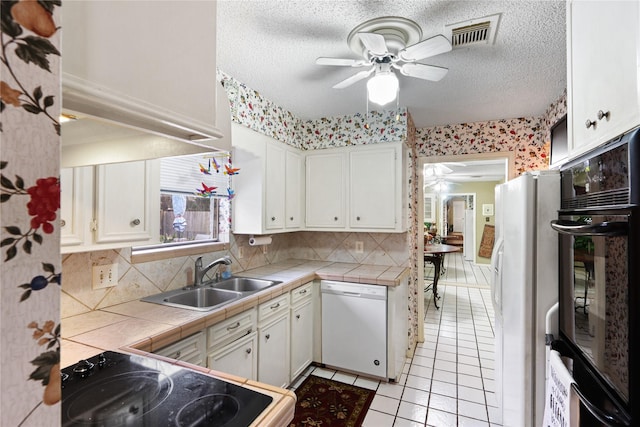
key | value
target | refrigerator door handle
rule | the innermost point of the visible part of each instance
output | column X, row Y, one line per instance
column 606, row 419
column 615, row 228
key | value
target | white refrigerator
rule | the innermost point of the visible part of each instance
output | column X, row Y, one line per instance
column 524, row 287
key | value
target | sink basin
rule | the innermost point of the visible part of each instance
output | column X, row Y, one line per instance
column 202, row 299
column 244, row 284
column 213, row 294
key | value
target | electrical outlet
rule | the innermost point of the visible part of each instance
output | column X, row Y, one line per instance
column 264, row 249
column 240, row 252
column 104, row 276
column 359, row 247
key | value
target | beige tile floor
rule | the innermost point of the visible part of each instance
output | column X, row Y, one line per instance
column 449, row 380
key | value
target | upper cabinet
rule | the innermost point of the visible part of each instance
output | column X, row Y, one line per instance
column 370, row 177
column 150, row 65
column 603, row 87
column 269, row 188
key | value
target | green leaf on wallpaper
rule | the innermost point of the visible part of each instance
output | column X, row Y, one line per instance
column 35, row 50
column 49, row 268
column 4, row 197
column 44, row 362
column 37, row 93
column 26, row 246
column 19, row 183
column 56, row 126
column 7, row 241
column 11, row 253
column 25, row 295
column 12, row 229
column 3, row 164
column 48, row 101
column 37, row 238
column 6, row 182
column 32, row 108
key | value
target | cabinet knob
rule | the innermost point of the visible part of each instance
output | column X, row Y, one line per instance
column 357, row 218
column 135, row 222
column 297, row 316
column 590, row 123
column 63, row 223
column 248, row 351
column 273, row 218
column 603, row 115
column 291, row 218
column 335, row 218
column 267, row 336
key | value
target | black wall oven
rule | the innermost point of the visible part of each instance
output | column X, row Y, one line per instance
column 599, row 229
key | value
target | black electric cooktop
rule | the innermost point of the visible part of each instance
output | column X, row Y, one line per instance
column 117, row 389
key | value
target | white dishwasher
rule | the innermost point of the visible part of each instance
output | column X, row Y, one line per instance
column 354, row 327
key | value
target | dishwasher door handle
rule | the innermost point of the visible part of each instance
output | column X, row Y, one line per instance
column 351, row 294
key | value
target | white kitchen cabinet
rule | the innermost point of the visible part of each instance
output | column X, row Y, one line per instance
column 370, row 177
column 190, row 349
column 76, row 205
column 269, row 185
column 603, row 93
column 326, row 191
column 237, row 358
column 372, row 187
column 302, row 329
column 128, row 202
column 144, row 62
column 274, row 341
column 118, row 205
column 273, row 352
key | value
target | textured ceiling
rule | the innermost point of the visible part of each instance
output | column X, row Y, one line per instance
column 271, row 46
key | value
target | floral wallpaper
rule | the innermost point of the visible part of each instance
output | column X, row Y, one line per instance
column 29, row 205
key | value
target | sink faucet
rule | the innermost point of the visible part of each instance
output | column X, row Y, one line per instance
column 200, row 271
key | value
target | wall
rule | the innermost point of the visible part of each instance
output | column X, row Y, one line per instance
column 29, row 204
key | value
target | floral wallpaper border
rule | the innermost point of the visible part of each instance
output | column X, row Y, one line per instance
column 29, row 205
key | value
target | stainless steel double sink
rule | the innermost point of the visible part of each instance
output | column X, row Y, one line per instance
column 212, row 295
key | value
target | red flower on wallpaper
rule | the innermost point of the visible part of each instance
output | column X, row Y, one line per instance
column 42, row 207
column 45, row 201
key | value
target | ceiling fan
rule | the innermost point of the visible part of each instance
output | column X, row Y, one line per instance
column 387, row 44
column 436, row 170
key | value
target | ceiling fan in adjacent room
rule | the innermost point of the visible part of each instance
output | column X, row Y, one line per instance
column 387, row 44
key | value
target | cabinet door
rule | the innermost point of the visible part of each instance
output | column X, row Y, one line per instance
column 372, row 177
column 301, row 337
column 603, row 73
column 273, row 353
column 294, row 186
column 325, row 190
column 128, row 202
column 76, row 205
column 275, row 184
column 238, row 358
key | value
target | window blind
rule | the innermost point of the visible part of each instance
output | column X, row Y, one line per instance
column 182, row 174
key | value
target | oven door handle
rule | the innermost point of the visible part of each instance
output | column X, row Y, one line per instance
column 614, row 228
column 607, row 419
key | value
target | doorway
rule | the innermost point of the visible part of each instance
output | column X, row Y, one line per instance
column 436, row 179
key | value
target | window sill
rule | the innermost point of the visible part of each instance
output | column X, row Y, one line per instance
column 158, row 254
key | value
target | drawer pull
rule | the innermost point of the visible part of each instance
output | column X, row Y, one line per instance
column 297, row 316
column 590, row 123
column 267, row 336
column 248, row 351
column 236, row 326
column 63, row 223
column 135, row 222
column 302, row 292
column 273, row 307
column 603, row 115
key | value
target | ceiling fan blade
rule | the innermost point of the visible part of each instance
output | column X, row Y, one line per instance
column 430, row 47
column 374, row 43
column 341, row 62
column 355, row 78
column 423, row 71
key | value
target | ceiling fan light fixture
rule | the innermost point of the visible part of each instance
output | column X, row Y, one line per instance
column 383, row 87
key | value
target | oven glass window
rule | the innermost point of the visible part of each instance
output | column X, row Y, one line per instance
column 595, row 297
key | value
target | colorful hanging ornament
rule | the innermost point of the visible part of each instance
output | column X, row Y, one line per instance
column 230, row 193
column 206, row 191
column 205, row 170
column 230, row 170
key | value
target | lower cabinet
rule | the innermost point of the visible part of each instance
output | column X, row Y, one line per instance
column 272, row 343
column 238, row 358
column 301, row 329
column 273, row 352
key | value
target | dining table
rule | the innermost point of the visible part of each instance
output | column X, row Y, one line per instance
column 434, row 253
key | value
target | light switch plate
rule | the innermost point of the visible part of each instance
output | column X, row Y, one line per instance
column 104, row 276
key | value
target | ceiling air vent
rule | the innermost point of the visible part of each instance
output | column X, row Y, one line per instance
column 473, row 32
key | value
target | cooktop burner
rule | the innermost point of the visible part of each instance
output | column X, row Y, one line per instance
column 116, row 389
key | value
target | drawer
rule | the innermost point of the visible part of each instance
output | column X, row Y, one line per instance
column 190, row 349
column 272, row 308
column 232, row 328
column 302, row 293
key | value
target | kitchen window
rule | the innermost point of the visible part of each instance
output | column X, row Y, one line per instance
column 194, row 205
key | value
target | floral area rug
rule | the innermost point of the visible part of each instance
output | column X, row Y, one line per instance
column 327, row 403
